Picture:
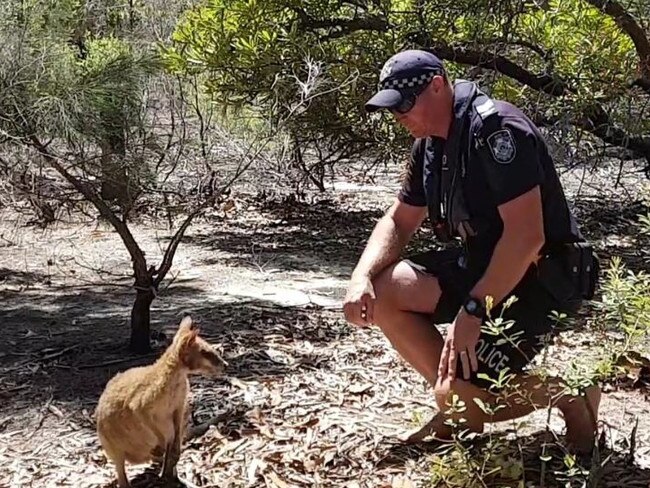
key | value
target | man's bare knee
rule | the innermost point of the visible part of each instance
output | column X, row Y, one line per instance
column 399, row 288
column 385, row 303
column 384, row 283
column 443, row 392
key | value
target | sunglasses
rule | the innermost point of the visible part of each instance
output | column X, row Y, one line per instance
column 408, row 100
column 406, row 105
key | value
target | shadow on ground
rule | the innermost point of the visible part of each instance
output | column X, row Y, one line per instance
column 150, row 478
column 296, row 236
column 64, row 345
column 324, row 237
column 15, row 277
column 614, row 226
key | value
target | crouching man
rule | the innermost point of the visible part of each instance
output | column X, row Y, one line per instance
column 481, row 171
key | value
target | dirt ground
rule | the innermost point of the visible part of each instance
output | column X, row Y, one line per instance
column 307, row 400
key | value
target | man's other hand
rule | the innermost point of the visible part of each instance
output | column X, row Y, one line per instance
column 460, row 343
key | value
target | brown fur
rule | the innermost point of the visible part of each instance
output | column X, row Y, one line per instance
column 141, row 413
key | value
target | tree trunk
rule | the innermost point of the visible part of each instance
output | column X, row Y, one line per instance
column 140, row 321
column 114, row 178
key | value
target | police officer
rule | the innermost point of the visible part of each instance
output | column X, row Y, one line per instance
column 481, row 171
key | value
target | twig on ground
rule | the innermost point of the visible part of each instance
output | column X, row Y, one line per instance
column 198, row 430
column 57, row 354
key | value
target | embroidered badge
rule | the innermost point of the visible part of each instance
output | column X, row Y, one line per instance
column 502, row 145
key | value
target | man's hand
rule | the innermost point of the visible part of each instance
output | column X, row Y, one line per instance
column 460, row 342
column 359, row 303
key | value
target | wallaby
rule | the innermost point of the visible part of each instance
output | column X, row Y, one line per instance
column 141, row 413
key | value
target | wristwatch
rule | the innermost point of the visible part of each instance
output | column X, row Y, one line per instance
column 474, row 307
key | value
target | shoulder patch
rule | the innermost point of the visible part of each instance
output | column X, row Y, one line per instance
column 502, row 146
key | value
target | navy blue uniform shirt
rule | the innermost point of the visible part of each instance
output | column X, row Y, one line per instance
column 508, row 157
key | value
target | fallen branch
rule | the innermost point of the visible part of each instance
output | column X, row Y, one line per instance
column 57, row 354
column 198, row 430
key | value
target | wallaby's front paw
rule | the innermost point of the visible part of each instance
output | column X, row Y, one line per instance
column 172, row 481
column 169, row 473
column 158, row 454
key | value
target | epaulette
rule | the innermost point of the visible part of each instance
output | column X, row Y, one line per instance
column 486, row 108
column 485, row 117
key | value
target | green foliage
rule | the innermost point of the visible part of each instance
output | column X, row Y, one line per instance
column 624, row 308
column 43, row 21
column 311, row 81
column 465, row 463
column 625, row 305
column 493, row 464
column 595, row 67
column 62, row 82
column 111, row 78
column 317, row 61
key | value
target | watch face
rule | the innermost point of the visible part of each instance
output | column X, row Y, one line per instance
column 471, row 306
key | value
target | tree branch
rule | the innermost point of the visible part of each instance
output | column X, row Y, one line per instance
column 504, row 41
column 168, row 258
column 541, row 82
column 344, row 26
column 593, row 118
column 139, row 262
column 598, row 122
column 631, row 27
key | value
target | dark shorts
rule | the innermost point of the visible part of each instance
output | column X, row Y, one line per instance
column 526, row 327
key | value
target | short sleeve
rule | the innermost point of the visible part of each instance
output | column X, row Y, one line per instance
column 412, row 191
column 510, row 156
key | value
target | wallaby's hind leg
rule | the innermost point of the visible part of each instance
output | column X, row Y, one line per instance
column 158, row 454
column 122, row 480
column 173, row 451
column 169, row 463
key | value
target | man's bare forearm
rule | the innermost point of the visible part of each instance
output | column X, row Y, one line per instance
column 384, row 247
column 518, row 247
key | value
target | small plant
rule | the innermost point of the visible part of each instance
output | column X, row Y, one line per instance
column 468, row 464
column 625, row 306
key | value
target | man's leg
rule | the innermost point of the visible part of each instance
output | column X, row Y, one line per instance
column 524, row 394
column 406, row 299
column 406, row 302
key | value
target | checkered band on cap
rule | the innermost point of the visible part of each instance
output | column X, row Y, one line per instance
column 412, row 82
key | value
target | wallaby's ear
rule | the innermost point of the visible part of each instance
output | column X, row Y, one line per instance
column 186, row 324
column 186, row 327
column 187, row 332
column 191, row 337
